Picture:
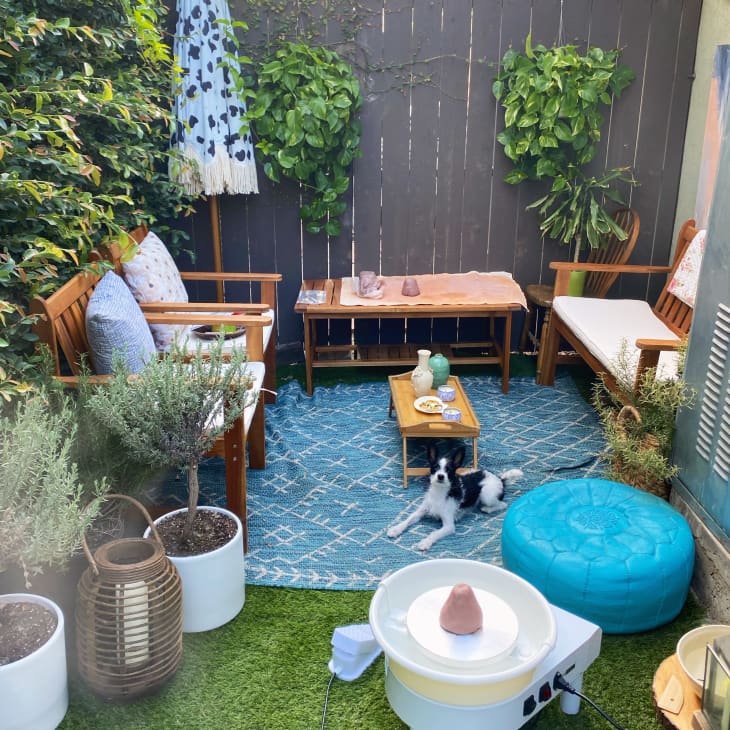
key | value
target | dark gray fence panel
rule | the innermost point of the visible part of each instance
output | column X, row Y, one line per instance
column 428, row 193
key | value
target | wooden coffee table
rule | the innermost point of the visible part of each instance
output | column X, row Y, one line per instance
column 414, row 424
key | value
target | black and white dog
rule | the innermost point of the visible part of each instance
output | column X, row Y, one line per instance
column 449, row 493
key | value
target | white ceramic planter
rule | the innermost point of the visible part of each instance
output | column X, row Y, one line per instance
column 213, row 584
column 34, row 690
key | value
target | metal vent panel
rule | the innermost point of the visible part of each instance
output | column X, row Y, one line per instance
column 713, row 432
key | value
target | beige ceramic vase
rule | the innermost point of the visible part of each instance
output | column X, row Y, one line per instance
column 422, row 375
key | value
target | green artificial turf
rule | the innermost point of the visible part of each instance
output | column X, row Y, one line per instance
column 267, row 669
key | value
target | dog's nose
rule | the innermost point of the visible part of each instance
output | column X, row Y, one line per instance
column 440, row 477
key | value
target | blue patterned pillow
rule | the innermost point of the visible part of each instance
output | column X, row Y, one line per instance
column 115, row 323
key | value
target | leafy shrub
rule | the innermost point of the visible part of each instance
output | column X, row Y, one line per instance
column 84, row 129
column 639, row 423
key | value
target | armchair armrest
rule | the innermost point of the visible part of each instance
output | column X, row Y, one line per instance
column 195, row 307
column 658, row 345
column 229, row 276
column 563, row 268
column 255, row 323
column 267, row 281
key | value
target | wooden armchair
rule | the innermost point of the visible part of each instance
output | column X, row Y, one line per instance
column 597, row 328
column 266, row 303
column 61, row 327
column 597, row 283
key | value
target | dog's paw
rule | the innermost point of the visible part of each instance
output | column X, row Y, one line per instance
column 425, row 544
column 394, row 531
column 495, row 507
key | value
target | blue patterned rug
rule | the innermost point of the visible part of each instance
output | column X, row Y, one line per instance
column 319, row 511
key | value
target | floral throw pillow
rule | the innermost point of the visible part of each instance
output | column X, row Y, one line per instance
column 153, row 276
column 684, row 282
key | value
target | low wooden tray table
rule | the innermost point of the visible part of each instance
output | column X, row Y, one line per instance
column 414, row 424
column 354, row 355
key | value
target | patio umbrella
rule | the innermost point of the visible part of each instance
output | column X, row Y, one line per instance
column 218, row 155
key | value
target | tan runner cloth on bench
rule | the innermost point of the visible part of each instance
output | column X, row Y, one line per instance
column 469, row 288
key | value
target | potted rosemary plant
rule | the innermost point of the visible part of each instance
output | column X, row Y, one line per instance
column 169, row 415
column 639, row 425
column 42, row 519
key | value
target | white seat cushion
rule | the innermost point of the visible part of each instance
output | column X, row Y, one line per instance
column 188, row 336
column 604, row 325
column 256, row 370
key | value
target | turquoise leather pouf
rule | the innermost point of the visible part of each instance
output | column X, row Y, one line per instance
column 612, row 554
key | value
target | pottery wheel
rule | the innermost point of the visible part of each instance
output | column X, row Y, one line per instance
column 494, row 640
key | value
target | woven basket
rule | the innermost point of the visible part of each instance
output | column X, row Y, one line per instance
column 129, row 616
column 629, row 474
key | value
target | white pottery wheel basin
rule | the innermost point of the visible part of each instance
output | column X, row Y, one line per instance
column 494, row 665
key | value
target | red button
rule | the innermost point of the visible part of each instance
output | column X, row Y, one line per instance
column 545, row 692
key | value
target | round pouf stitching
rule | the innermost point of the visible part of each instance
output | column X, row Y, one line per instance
column 632, row 575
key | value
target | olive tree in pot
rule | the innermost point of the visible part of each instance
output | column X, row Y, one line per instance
column 42, row 519
column 169, row 415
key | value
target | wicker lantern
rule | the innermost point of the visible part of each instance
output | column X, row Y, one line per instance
column 129, row 616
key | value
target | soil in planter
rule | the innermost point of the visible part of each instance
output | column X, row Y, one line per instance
column 24, row 628
column 211, row 530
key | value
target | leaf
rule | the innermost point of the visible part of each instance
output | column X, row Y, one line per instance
column 562, row 132
column 513, row 177
column 527, row 120
column 528, row 46
column 589, row 93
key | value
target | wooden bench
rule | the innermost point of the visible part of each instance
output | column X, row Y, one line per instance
column 670, row 311
column 61, row 328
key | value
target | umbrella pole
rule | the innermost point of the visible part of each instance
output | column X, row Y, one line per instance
column 215, row 226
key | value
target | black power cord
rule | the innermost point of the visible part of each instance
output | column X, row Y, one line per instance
column 560, row 683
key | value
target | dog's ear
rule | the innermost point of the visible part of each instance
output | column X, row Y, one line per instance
column 458, row 457
column 433, row 454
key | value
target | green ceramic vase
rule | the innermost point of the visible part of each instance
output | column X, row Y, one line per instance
column 441, row 369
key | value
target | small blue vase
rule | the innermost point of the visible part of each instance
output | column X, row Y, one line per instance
column 441, row 369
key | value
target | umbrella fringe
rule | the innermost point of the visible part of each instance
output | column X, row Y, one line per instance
column 224, row 175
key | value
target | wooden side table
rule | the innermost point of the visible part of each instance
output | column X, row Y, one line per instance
column 414, row 424
column 690, row 702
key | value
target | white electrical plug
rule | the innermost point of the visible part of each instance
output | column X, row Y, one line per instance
column 354, row 649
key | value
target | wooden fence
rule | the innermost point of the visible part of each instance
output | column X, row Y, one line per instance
column 428, row 193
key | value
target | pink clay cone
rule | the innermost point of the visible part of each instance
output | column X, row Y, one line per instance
column 461, row 612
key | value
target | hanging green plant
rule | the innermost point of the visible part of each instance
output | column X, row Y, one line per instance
column 552, row 99
column 305, row 108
